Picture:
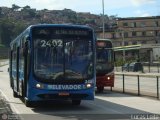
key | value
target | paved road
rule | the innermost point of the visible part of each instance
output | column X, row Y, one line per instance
column 106, row 105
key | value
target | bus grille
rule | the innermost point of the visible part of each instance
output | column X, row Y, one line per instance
column 56, row 96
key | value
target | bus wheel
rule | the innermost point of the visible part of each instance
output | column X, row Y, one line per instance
column 15, row 94
column 76, row 102
column 100, row 89
column 27, row 103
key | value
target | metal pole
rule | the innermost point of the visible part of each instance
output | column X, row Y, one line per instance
column 123, row 45
column 123, row 84
column 149, row 67
column 111, row 88
column 158, row 67
column 138, row 86
column 157, row 87
column 103, row 18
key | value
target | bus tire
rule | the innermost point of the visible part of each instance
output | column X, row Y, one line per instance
column 15, row 94
column 100, row 89
column 23, row 91
column 27, row 103
column 76, row 102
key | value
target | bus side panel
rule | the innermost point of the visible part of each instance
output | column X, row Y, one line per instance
column 17, row 70
column 21, row 71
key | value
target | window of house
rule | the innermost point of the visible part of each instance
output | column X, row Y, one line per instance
column 151, row 33
column 156, row 23
column 134, row 33
column 133, row 24
column 113, row 35
column 134, row 43
column 143, row 33
column 126, row 34
column 142, row 24
column 143, row 42
column 120, row 34
column 125, row 24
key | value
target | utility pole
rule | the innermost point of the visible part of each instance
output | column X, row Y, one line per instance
column 124, row 54
column 103, row 18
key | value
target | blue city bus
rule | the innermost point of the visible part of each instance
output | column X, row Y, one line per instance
column 53, row 62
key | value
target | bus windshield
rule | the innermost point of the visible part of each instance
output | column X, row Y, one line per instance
column 63, row 55
column 104, row 61
column 104, row 55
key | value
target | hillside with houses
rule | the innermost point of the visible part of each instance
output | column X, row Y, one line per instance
column 15, row 19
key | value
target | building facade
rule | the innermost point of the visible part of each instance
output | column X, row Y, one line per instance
column 133, row 31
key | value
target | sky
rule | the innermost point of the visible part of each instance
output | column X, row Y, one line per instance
column 120, row 8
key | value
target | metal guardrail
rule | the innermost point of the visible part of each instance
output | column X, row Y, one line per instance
column 147, row 68
column 138, row 75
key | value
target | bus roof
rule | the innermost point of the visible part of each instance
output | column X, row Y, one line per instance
column 60, row 25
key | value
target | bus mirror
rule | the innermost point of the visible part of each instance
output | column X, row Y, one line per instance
column 27, row 43
column 24, row 51
column 26, row 47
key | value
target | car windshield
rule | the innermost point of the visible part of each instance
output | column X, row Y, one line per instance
column 63, row 57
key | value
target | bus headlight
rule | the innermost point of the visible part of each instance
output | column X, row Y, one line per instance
column 88, row 85
column 40, row 86
column 108, row 78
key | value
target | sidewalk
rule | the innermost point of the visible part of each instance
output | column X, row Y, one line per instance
column 4, row 62
column 4, row 106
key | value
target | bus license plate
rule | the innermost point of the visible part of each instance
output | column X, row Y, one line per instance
column 63, row 94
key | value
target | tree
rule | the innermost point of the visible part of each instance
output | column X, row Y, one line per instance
column 18, row 28
column 26, row 7
column 28, row 12
column 15, row 7
column 6, row 26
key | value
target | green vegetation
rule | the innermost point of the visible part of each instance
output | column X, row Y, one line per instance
column 119, row 60
column 1, row 46
column 9, row 28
